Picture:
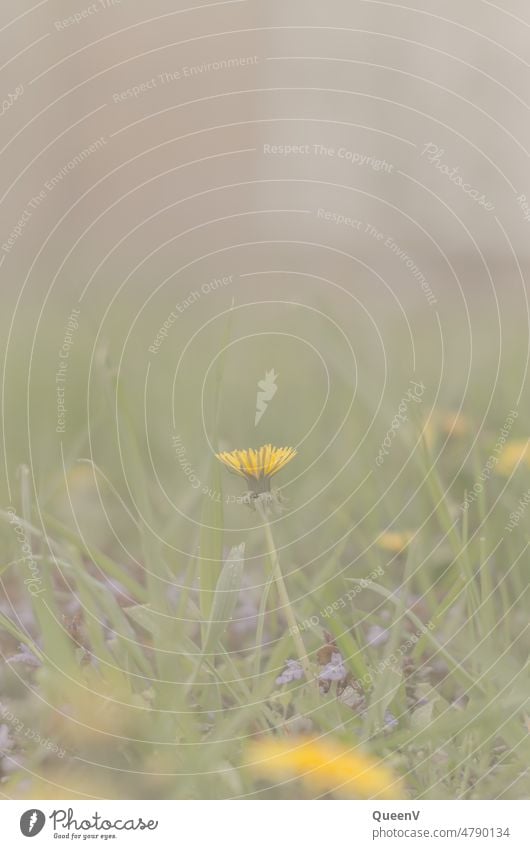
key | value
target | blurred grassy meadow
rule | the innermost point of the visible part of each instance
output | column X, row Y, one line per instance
column 141, row 629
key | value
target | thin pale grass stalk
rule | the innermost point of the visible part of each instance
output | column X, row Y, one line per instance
column 57, row 648
column 386, row 685
column 465, row 581
column 439, row 501
column 260, row 629
column 471, row 597
column 227, row 590
column 486, row 624
column 211, row 544
column 282, row 592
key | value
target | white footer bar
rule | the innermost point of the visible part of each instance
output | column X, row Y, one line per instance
column 267, row 824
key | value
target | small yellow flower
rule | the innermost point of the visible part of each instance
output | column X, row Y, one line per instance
column 257, row 465
column 395, row 542
column 325, row 766
column 515, row 452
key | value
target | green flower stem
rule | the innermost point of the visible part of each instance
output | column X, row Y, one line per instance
column 282, row 592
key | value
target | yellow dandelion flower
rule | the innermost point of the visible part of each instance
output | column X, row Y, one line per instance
column 515, row 453
column 325, row 766
column 395, row 542
column 257, row 465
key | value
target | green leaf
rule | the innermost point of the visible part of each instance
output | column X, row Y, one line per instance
column 226, row 595
column 211, row 540
column 107, row 566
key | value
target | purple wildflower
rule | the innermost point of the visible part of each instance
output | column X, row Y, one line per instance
column 334, row 670
column 292, row 672
column 26, row 656
column 390, row 721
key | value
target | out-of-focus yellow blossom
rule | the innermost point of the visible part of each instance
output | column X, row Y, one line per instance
column 325, row 766
column 442, row 422
column 394, row 541
column 515, row 453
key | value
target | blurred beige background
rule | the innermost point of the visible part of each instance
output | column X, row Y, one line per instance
column 380, row 78
column 148, row 148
